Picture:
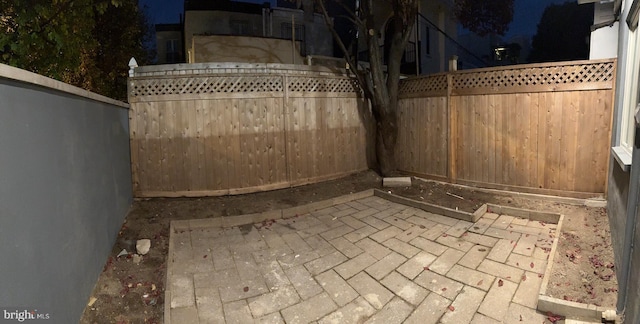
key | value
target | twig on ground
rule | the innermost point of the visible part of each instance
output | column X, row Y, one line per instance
column 454, row 195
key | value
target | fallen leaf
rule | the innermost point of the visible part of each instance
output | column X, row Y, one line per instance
column 524, row 277
column 245, row 289
column 205, row 256
column 479, row 283
column 500, row 283
column 444, row 289
column 444, row 235
column 531, row 265
column 426, row 268
column 553, row 317
column 451, row 308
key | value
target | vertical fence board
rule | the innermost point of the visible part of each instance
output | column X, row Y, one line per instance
column 543, row 110
column 533, row 139
column 164, row 119
column 491, row 140
column 602, row 135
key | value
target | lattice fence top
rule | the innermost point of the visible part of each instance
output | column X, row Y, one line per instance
column 434, row 83
column 315, row 84
column 536, row 76
column 205, row 85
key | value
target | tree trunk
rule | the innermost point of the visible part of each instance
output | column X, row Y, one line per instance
column 386, row 137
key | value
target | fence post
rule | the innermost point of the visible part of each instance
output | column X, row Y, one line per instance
column 452, row 130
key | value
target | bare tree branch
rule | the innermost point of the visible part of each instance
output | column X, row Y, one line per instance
column 360, row 77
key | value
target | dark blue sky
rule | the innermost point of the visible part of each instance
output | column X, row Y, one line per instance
column 525, row 19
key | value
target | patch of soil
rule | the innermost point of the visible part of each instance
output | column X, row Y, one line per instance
column 130, row 292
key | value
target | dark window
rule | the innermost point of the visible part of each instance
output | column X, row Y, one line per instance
column 240, row 27
column 172, row 50
column 427, row 40
column 286, row 30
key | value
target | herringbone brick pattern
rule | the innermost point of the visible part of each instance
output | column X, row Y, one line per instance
column 365, row 261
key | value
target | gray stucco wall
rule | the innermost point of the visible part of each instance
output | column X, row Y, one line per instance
column 65, row 188
column 618, row 190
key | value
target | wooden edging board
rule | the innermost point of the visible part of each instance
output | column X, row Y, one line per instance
column 568, row 309
column 453, row 213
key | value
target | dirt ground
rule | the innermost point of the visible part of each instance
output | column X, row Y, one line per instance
column 131, row 290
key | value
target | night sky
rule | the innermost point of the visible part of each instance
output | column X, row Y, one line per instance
column 525, row 19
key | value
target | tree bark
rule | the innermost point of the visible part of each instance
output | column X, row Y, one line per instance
column 386, row 138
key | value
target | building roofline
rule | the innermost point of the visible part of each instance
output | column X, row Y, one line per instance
column 225, row 5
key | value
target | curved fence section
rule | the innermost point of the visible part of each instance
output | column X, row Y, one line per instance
column 218, row 129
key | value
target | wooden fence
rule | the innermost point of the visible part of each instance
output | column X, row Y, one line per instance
column 538, row 128
column 210, row 130
column 207, row 129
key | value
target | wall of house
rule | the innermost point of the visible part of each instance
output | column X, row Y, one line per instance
column 604, row 40
column 317, row 38
column 245, row 49
column 620, row 181
column 65, row 188
column 162, row 37
column 441, row 49
column 203, row 22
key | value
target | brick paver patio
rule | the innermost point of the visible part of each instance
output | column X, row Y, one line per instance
column 364, row 261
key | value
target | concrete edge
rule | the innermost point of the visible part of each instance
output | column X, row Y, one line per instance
column 479, row 212
column 167, row 288
column 552, row 253
column 534, row 215
column 457, row 214
column 571, row 310
column 558, row 199
column 237, row 220
column 20, row 75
